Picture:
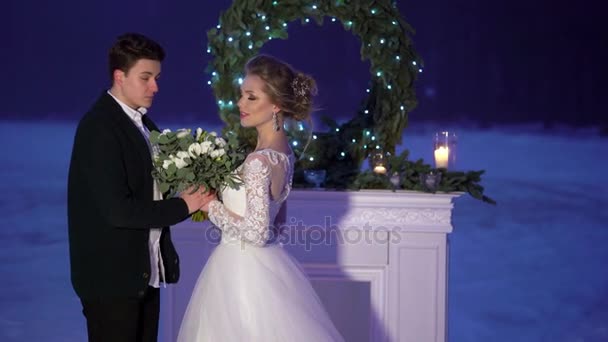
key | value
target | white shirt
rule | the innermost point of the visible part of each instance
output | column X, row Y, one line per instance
column 157, row 270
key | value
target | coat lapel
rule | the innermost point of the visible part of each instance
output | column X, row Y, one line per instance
column 149, row 124
column 128, row 127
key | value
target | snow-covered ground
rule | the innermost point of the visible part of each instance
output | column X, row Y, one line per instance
column 532, row 268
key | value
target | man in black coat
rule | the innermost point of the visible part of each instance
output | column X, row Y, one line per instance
column 120, row 243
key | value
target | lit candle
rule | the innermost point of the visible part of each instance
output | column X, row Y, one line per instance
column 442, row 154
column 380, row 169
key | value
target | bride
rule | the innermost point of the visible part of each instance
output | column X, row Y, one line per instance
column 250, row 288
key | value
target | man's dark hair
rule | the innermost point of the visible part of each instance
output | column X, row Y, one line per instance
column 131, row 47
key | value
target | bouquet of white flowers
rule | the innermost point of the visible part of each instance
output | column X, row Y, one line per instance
column 183, row 159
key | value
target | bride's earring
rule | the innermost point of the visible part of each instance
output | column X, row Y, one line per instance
column 275, row 121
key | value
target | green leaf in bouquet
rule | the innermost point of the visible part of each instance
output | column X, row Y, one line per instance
column 163, row 187
column 158, row 162
column 190, row 176
column 154, row 137
column 168, row 178
column 181, row 173
column 185, row 143
column 171, row 169
column 163, row 139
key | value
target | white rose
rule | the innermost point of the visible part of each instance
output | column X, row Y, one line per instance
column 195, row 150
column 206, row 147
column 167, row 163
column 165, row 131
column 199, row 132
column 218, row 153
column 182, row 154
column 213, row 134
column 220, row 142
column 182, row 133
column 180, row 163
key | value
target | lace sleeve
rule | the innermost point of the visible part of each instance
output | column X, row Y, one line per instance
column 253, row 227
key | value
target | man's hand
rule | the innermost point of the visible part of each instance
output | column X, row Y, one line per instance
column 197, row 199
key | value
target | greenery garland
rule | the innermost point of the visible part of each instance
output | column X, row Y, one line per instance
column 377, row 126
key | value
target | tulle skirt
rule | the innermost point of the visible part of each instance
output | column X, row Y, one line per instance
column 249, row 293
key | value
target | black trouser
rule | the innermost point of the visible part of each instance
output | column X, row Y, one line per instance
column 123, row 319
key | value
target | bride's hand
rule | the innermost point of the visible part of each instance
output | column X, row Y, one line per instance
column 209, row 197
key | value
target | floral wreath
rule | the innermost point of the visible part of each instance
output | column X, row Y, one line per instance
column 378, row 125
column 248, row 24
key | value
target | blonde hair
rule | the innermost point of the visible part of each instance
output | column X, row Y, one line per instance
column 288, row 88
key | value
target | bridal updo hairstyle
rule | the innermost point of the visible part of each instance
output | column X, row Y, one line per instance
column 288, row 88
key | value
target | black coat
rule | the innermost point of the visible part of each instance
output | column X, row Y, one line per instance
column 111, row 207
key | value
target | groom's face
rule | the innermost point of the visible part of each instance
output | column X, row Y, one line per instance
column 138, row 86
column 255, row 105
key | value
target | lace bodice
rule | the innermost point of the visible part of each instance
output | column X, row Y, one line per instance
column 248, row 214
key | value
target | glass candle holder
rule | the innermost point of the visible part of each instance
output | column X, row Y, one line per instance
column 315, row 177
column 444, row 149
column 431, row 180
column 378, row 162
column 395, row 180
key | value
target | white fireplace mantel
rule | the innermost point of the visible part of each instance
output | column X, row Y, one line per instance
column 377, row 258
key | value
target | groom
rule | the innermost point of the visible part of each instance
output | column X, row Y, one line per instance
column 120, row 243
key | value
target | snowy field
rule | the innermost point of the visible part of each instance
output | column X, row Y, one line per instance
column 532, row 268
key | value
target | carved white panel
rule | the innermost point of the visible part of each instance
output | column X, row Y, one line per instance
column 419, row 265
column 397, row 217
column 342, row 305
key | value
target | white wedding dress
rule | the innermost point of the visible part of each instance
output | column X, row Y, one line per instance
column 251, row 289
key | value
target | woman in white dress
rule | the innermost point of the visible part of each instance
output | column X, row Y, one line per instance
column 251, row 289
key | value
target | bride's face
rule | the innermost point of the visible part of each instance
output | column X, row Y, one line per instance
column 255, row 105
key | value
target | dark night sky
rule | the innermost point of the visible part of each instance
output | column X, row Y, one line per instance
column 488, row 61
